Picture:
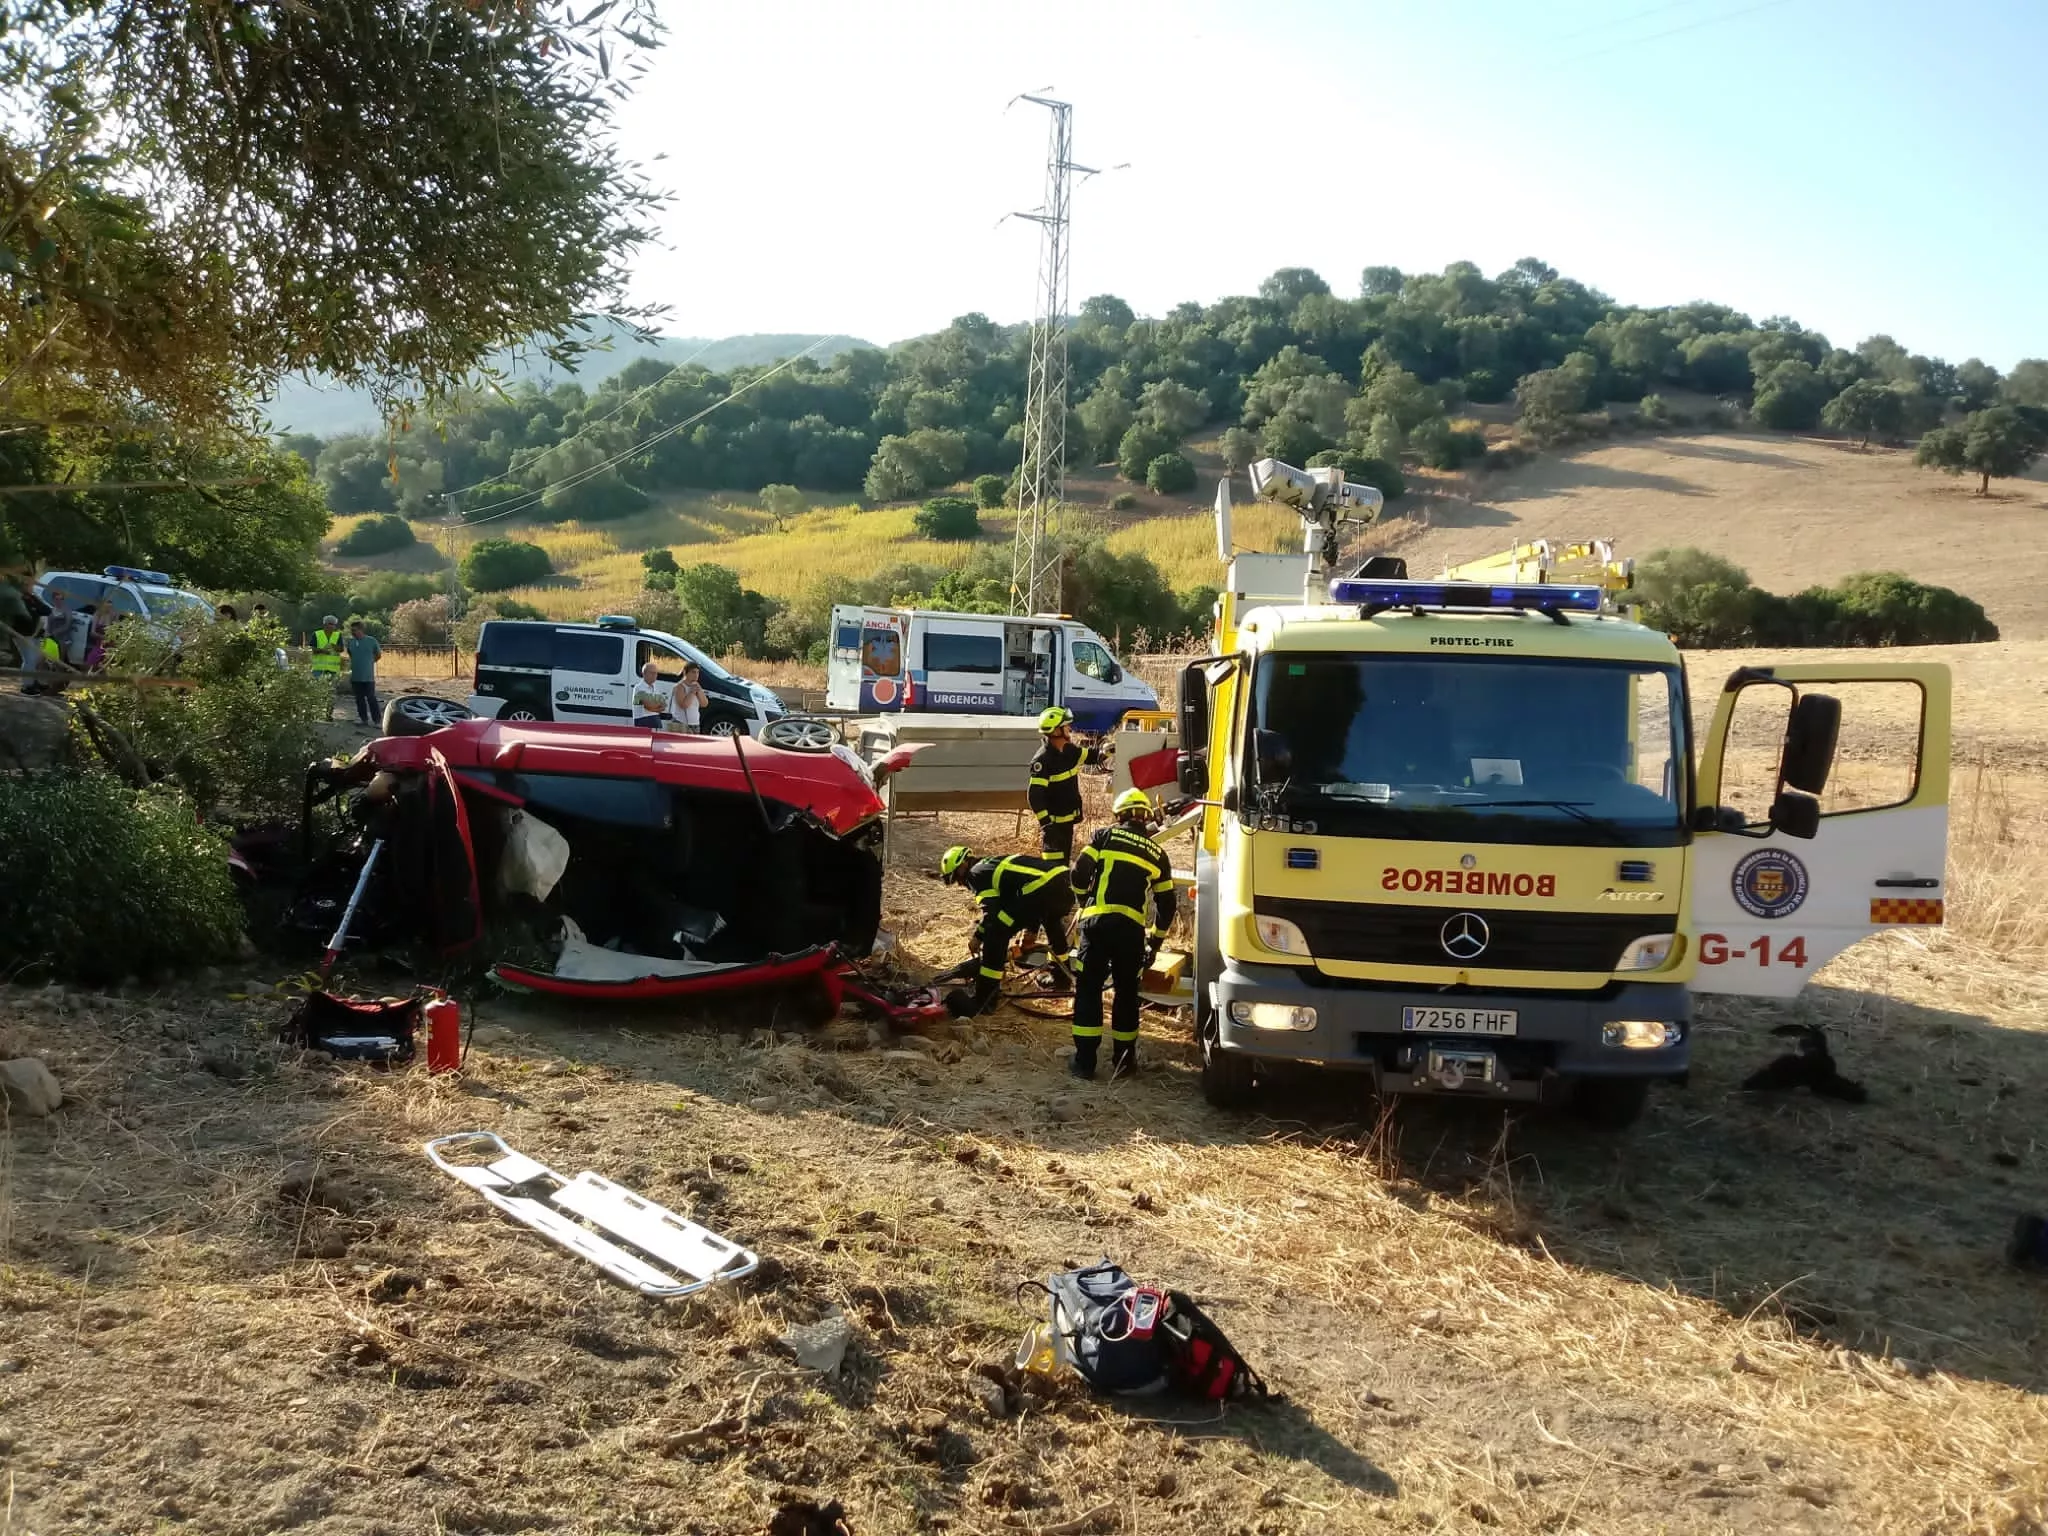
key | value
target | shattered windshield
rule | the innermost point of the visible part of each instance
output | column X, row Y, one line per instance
column 1548, row 750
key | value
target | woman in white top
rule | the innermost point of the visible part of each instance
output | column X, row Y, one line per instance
column 690, row 699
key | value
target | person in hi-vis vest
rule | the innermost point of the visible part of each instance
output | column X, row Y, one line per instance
column 327, row 654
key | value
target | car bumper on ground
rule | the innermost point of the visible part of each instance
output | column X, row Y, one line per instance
column 1359, row 1028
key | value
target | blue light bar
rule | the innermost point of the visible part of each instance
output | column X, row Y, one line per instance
column 132, row 573
column 1457, row 594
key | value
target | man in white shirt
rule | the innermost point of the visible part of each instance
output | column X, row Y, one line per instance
column 651, row 703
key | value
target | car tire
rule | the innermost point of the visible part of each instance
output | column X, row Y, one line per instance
column 1610, row 1103
column 726, row 726
column 800, row 733
column 524, row 715
column 421, row 714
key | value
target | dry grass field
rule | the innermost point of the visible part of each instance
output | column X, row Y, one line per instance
column 235, row 1298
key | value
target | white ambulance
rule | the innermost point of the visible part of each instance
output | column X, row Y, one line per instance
column 886, row 660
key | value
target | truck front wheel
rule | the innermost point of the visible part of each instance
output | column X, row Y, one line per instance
column 1610, row 1103
column 1228, row 1080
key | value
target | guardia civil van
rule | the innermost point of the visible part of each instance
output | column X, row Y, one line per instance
column 1460, row 836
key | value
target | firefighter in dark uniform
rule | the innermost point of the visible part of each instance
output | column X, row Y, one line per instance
column 1119, row 876
column 1016, row 892
column 1056, row 781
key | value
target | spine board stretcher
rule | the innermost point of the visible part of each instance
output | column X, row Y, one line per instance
column 696, row 1257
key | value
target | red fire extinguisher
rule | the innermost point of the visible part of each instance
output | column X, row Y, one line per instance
column 444, row 1033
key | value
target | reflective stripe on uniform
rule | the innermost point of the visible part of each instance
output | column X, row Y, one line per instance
column 992, row 975
column 1098, row 911
column 1087, row 1031
column 1119, row 1036
column 1054, row 778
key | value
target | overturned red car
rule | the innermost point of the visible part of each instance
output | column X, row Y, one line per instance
column 609, row 862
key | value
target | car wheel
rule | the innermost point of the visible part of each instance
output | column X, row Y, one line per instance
column 726, row 727
column 1610, row 1103
column 795, row 733
column 418, row 714
column 519, row 714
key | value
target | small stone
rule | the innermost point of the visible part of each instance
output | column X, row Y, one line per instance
column 766, row 1105
column 1165, row 1485
column 10, row 1367
column 331, row 1247
column 990, row 1395
column 29, row 1088
column 820, row 1346
column 1062, row 1111
column 491, row 1034
column 730, row 1162
column 554, row 1068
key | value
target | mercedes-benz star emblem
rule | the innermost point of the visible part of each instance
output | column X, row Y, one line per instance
column 1465, row 935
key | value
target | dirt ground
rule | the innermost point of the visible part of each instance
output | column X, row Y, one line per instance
column 235, row 1297
column 1791, row 511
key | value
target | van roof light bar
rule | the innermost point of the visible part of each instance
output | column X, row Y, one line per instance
column 136, row 574
column 1377, row 596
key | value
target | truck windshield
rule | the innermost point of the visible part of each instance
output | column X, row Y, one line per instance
column 1475, row 749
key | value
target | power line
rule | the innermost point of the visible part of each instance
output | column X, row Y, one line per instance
column 598, row 421
column 1691, row 26
column 1615, row 23
column 528, row 502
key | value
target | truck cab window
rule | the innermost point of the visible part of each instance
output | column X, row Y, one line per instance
column 1432, row 747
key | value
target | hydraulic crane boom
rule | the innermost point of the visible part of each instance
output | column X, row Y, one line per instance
column 1590, row 562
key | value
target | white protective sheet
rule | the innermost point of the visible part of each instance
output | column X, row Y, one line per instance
column 534, row 858
column 581, row 960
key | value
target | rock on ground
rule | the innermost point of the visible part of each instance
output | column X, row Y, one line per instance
column 29, row 1087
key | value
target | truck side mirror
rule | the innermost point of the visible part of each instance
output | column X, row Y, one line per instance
column 1794, row 814
column 1194, row 710
column 1116, row 673
column 1276, row 758
column 1810, row 737
column 1191, row 772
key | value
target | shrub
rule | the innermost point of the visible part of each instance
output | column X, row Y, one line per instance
column 376, row 535
column 1654, row 411
column 1170, row 474
column 947, row 517
column 425, row 621
column 114, row 881
column 1140, row 446
column 1443, row 446
column 659, row 568
column 492, row 565
column 1123, row 501
column 990, row 490
column 239, row 742
column 1718, row 418
column 1703, row 600
column 382, row 591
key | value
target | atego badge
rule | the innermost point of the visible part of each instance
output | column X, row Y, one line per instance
column 1770, row 883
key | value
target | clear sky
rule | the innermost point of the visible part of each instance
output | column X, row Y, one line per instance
column 1860, row 165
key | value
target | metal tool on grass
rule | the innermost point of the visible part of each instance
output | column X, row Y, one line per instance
column 348, row 915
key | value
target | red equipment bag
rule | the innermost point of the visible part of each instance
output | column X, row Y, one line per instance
column 380, row 1029
column 1149, row 770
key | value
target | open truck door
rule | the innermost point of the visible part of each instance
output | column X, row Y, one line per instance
column 1822, row 817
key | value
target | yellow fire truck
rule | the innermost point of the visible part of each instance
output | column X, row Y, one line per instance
column 1458, row 834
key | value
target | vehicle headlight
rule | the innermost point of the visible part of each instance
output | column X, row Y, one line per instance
column 1640, row 1034
column 1647, row 953
column 1272, row 1015
column 1280, row 935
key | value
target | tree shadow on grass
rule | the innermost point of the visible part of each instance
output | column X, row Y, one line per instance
column 1730, row 453
column 1558, row 477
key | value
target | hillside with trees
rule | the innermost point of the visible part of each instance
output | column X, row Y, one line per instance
column 1293, row 370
